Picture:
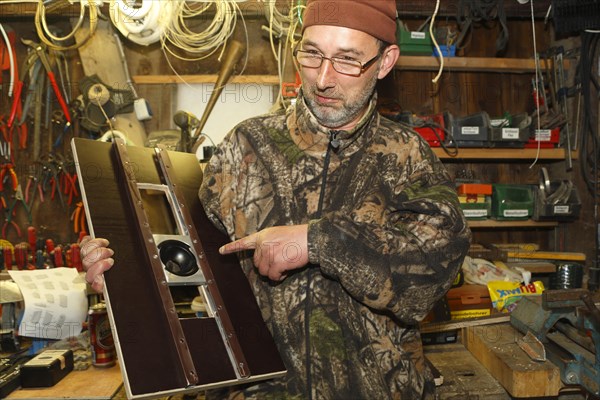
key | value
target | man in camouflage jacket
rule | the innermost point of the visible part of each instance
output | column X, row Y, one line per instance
column 347, row 225
column 387, row 245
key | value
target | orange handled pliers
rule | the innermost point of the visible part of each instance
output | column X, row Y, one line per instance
column 8, row 169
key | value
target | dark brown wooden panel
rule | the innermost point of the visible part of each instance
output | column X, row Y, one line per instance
column 148, row 349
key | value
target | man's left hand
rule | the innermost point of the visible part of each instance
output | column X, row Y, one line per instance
column 276, row 250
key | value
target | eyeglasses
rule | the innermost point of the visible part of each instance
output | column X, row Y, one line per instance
column 311, row 59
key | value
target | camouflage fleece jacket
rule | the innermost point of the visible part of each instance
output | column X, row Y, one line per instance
column 387, row 245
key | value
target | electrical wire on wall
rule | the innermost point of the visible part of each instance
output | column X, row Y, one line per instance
column 143, row 21
column 590, row 150
column 183, row 42
column 198, row 45
column 283, row 29
column 435, row 43
column 55, row 42
column 536, row 81
column 11, row 61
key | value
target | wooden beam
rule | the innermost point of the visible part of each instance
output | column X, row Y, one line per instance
column 513, row 9
column 434, row 327
column 491, row 223
column 494, row 346
column 255, row 8
column 503, row 154
column 469, row 64
column 169, row 79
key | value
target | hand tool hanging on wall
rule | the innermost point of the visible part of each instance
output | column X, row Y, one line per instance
column 140, row 106
column 484, row 11
column 11, row 213
column 40, row 50
column 562, row 100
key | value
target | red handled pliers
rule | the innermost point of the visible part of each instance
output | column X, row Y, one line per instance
column 41, row 53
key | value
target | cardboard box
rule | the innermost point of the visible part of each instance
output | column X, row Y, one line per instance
column 469, row 301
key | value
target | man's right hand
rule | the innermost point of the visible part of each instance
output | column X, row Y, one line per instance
column 96, row 258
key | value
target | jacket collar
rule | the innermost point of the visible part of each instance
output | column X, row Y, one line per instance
column 313, row 138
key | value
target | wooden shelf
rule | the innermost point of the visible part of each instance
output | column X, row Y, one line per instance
column 166, row 79
column 490, row 223
column 469, row 64
column 503, row 154
column 540, row 267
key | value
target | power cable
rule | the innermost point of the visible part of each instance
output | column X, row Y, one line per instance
column 590, row 151
column 202, row 44
column 283, row 28
column 435, row 43
column 143, row 21
column 11, row 61
column 538, row 73
column 52, row 41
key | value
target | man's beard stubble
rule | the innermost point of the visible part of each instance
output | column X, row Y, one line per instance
column 335, row 118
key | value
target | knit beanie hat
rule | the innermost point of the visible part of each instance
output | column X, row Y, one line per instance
column 375, row 17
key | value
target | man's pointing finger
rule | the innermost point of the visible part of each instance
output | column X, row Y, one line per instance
column 247, row 243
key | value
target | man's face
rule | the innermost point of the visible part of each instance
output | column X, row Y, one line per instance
column 337, row 100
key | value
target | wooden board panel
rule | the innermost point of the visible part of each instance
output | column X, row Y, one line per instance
column 463, row 376
column 93, row 383
column 135, row 302
column 495, row 347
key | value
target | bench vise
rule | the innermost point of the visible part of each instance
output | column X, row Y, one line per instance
column 567, row 323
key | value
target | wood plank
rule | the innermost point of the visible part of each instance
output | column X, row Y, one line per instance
column 162, row 79
column 468, row 64
column 503, row 154
column 463, row 376
column 491, row 223
column 445, row 326
column 93, row 383
column 419, row 8
column 546, row 255
column 535, row 267
column 494, row 346
column 255, row 8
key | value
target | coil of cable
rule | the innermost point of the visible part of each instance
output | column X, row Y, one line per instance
column 143, row 23
column 56, row 42
column 198, row 39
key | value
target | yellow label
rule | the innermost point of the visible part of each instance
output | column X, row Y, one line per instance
column 463, row 314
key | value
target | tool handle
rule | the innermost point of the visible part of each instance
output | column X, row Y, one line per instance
column 59, row 96
column 76, row 257
column 21, row 256
column 32, row 237
column 49, row 245
column 58, row 257
column 39, row 259
column 69, row 258
column 7, row 258
column 15, row 104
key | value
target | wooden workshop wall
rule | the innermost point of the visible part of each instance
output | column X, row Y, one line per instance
column 460, row 93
